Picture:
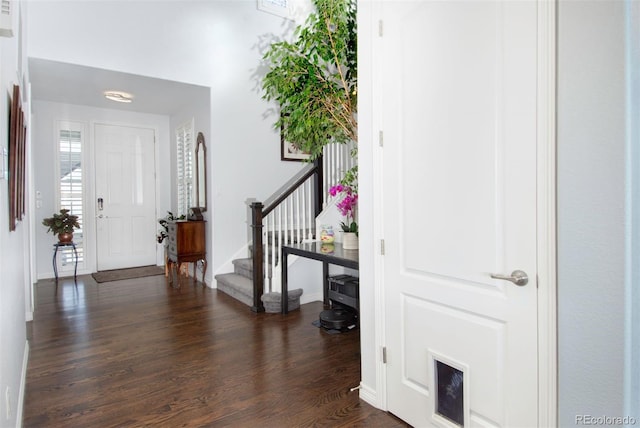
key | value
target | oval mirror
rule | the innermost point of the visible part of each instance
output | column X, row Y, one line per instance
column 201, row 173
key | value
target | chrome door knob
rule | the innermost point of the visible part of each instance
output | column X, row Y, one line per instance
column 518, row 277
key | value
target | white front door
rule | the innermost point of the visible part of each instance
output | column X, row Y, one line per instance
column 126, row 196
column 459, row 159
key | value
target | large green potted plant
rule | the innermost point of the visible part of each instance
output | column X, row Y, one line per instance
column 62, row 224
column 314, row 78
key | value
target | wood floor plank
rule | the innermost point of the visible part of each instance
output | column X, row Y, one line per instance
column 139, row 352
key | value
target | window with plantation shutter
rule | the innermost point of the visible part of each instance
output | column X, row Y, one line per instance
column 184, row 151
column 71, row 183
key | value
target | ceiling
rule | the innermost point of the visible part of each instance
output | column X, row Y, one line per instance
column 74, row 84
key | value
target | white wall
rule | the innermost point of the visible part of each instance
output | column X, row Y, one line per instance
column 45, row 118
column 591, row 208
column 213, row 43
column 14, row 266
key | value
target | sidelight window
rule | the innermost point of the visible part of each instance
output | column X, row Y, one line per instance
column 184, row 155
column 71, row 184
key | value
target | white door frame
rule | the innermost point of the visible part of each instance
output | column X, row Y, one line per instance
column 546, row 203
column 632, row 357
column 546, row 198
column 90, row 209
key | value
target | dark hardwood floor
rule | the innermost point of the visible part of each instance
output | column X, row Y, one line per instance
column 139, row 353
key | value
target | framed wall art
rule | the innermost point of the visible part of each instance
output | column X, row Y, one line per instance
column 17, row 159
column 289, row 152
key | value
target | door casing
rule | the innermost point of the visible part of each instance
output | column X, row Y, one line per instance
column 91, row 212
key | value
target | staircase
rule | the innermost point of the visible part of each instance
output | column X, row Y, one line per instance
column 288, row 216
column 239, row 283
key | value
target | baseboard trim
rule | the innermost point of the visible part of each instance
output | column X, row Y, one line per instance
column 23, row 385
column 369, row 395
column 312, row 297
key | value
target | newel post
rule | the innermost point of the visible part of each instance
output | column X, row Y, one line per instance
column 258, row 256
column 317, row 184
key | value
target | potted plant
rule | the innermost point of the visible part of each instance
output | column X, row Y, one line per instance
column 347, row 207
column 62, row 224
column 314, row 78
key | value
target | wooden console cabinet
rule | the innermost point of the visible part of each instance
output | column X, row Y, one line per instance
column 187, row 244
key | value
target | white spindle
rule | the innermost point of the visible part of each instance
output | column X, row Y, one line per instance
column 287, row 203
column 297, row 200
column 279, row 240
column 272, row 250
column 265, row 240
column 303, row 209
column 312, row 223
column 309, row 214
column 332, row 166
column 293, row 219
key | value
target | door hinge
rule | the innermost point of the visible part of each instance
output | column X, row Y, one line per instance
column 384, row 355
column 382, row 247
column 380, row 139
column 380, row 28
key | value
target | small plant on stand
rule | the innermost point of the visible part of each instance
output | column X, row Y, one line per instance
column 62, row 224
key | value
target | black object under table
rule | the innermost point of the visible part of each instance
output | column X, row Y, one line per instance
column 56, row 246
column 321, row 252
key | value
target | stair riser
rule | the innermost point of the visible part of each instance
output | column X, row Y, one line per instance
column 248, row 273
column 227, row 289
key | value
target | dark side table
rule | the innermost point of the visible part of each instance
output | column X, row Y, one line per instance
column 316, row 251
column 56, row 246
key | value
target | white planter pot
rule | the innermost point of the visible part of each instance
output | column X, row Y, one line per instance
column 350, row 241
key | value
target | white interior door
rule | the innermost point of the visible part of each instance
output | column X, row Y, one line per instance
column 459, row 159
column 126, row 196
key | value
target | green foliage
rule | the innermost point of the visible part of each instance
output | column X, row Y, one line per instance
column 62, row 222
column 351, row 178
column 314, row 78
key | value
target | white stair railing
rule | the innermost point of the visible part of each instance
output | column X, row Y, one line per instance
column 292, row 221
column 336, row 160
column 288, row 216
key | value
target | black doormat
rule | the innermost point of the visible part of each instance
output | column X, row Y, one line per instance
column 129, row 273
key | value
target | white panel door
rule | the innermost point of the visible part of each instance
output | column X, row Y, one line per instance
column 126, row 196
column 459, row 159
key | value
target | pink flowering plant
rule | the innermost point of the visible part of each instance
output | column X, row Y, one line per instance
column 347, row 205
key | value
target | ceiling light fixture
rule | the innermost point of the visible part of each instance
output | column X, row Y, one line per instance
column 121, row 97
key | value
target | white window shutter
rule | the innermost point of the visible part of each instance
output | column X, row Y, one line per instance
column 184, row 167
column 6, row 18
